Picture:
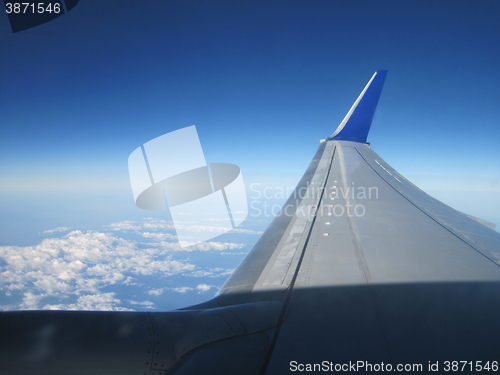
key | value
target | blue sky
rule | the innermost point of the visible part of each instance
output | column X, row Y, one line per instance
column 262, row 81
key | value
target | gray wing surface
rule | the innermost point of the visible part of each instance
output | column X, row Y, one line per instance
column 360, row 269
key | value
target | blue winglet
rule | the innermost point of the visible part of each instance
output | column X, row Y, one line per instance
column 356, row 124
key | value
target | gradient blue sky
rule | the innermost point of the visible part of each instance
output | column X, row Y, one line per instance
column 263, row 81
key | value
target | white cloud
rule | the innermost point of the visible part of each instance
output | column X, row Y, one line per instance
column 158, row 224
column 30, row 301
column 209, row 228
column 183, row 289
column 246, row 231
column 147, row 223
column 94, row 302
column 79, row 264
column 204, row 246
column 70, row 272
column 125, row 225
column 155, row 292
column 159, row 236
column 202, row 228
column 150, row 224
column 58, row 229
column 204, row 288
column 146, row 304
column 214, row 272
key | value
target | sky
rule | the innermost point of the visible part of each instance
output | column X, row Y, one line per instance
column 263, row 82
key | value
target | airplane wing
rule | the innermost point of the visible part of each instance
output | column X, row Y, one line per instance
column 360, row 271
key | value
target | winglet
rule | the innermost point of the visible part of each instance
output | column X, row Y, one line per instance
column 356, row 124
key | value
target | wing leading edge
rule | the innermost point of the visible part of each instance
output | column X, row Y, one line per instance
column 360, row 265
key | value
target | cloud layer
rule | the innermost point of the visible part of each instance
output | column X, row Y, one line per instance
column 80, row 269
column 80, row 264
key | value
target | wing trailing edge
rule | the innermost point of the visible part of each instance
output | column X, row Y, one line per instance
column 357, row 122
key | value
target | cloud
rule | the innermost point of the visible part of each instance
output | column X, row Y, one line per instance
column 146, row 304
column 155, row 292
column 150, row 224
column 30, row 301
column 168, row 241
column 203, row 246
column 58, row 229
column 158, row 224
column 204, row 288
column 79, row 265
column 214, row 272
column 71, row 271
column 93, row 302
column 159, row 236
column 125, row 225
column 203, row 228
column 246, row 231
column 146, row 223
column 183, row 289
